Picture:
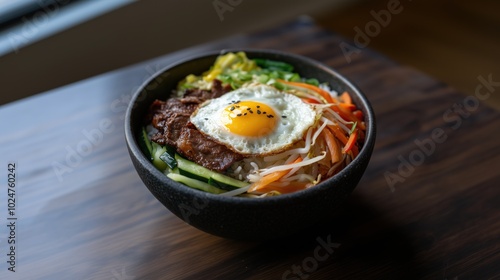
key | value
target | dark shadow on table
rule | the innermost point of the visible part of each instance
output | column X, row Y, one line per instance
column 361, row 243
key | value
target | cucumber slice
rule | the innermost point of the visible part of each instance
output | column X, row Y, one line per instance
column 195, row 184
column 145, row 143
column 193, row 176
column 169, row 157
column 158, row 150
column 221, row 185
column 207, row 174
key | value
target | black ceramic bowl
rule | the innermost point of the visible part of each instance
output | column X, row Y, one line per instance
column 236, row 217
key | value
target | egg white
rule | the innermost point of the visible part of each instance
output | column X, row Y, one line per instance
column 299, row 116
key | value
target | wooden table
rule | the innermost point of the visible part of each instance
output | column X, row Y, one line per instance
column 426, row 208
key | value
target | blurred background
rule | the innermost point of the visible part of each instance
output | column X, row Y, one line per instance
column 46, row 44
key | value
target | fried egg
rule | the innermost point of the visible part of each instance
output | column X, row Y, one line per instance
column 255, row 120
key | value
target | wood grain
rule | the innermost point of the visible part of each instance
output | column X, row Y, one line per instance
column 98, row 221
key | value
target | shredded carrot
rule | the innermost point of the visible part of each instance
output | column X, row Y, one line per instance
column 325, row 94
column 346, row 98
column 273, row 177
column 351, row 142
column 343, row 110
column 333, row 146
column 347, row 115
column 349, row 107
column 310, row 100
column 338, row 133
column 358, row 114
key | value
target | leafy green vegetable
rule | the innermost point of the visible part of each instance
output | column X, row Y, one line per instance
column 236, row 69
column 274, row 65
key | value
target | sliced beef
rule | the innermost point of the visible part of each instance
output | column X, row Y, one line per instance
column 171, row 129
column 195, row 146
column 217, row 90
column 154, row 108
column 171, row 118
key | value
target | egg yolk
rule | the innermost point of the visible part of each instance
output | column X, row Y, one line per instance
column 249, row 118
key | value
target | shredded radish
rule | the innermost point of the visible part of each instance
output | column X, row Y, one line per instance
column 335, row 166
column 318, row 132
column 238, row 170
column 340, row 124
column 293, row 171
column 337, row 116
column 345, row 128
column 254, row 165
column 264, row 172
column 303, row 150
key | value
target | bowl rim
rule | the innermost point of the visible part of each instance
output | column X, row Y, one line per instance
column 321, row 187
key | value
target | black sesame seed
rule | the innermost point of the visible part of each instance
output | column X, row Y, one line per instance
column 264, row 112
column 251, row 112
column 258, row 106
column 245, row 114
column 283, row 117
column 232, row 108
column 239, row 115
column 258, row 112
column 206, row 119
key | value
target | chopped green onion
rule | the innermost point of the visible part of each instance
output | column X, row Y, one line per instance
column 279, row 86
column 353, row 128
column 274, row 75
column 295, row 78
column 263, row 78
